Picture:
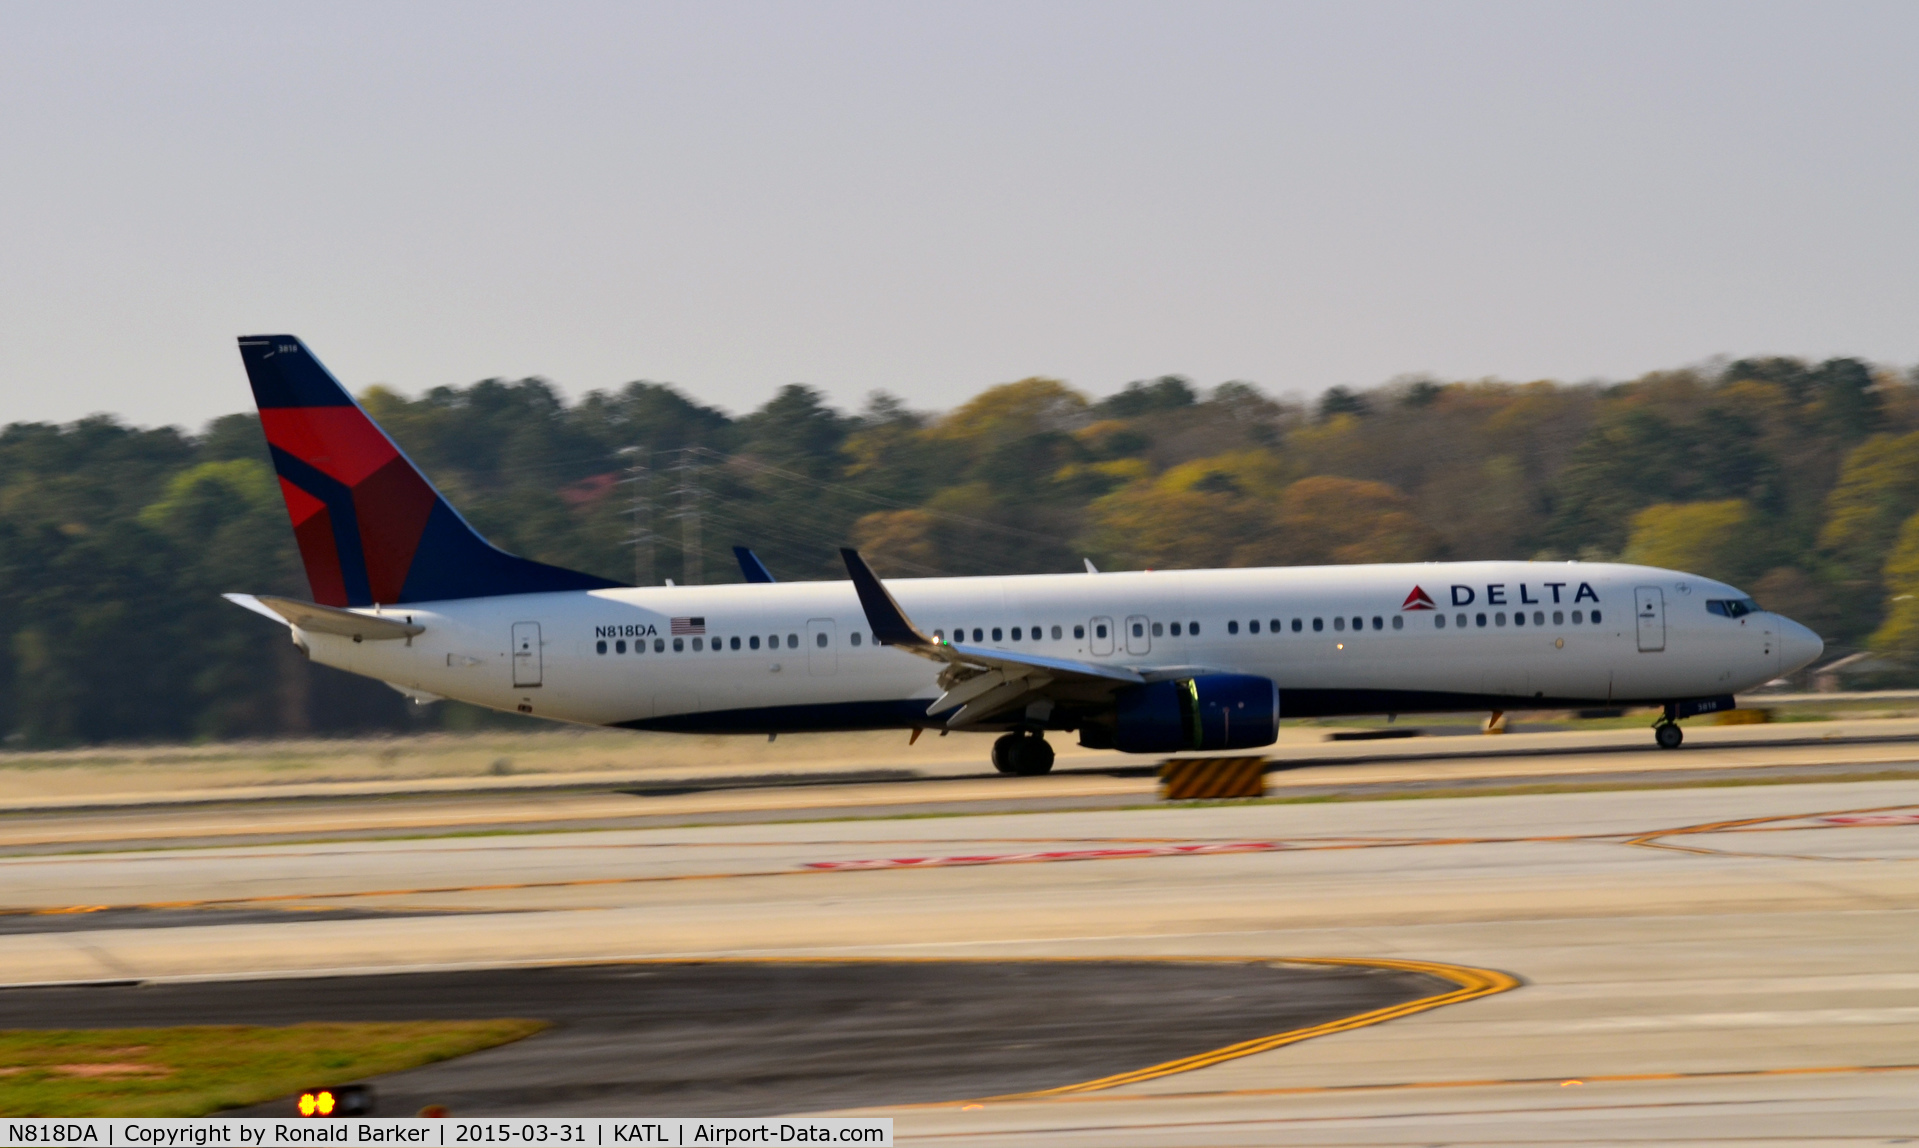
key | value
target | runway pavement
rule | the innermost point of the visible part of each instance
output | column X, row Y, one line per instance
column 1712, row 964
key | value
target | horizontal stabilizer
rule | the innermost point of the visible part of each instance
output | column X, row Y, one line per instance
column 317, row 619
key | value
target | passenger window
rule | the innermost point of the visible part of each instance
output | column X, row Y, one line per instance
column 1318, row 625
column 697, row 645
column 1499, row 619
column 979, row 635
column 1175, row 629
column 1577, row 618
column 1297, row 627
column 852, row 638
column 1252, row 627
column 679, row 645
column 600, row 646
column 1559, row 617
column 1158, row 629
column 1460, row 620
column 753, row 643
column 792, row 641
column 1339, row 623
column 1099, row 631
column 939, row 635
column 819, row 639
column 1479, row 619
column 996, row 633
column 1539, row 617
column 659, row 645
column 1378, row 622
column 619, row 647
column 1595, row 616
column 1057, row 633
column 1232, row 627
column 1439, row 621
column 1193, row 629
column 1274, row 625
column 639, row 645
column 1519, row 617
column 1359, row 623
column 1080, row 631
column 1399, row 621
column 1015, row 634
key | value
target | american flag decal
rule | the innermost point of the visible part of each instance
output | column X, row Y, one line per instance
column 689, row 625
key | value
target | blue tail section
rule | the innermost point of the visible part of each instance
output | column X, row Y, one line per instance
column 751, row 566
column 371, row 528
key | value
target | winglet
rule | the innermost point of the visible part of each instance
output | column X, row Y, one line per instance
column 888, row 622
column 751, row 566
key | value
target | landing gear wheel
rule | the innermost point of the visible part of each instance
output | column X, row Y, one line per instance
column 1004, row 750
column 1023, row 754
column 1668, row 735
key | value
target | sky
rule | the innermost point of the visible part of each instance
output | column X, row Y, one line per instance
column 933, row 198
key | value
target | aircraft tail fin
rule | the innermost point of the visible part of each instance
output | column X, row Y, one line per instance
column 370, row 527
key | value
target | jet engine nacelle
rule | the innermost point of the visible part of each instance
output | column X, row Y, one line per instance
column 1212, row 711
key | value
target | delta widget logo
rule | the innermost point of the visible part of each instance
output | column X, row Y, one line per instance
column 1418, row 600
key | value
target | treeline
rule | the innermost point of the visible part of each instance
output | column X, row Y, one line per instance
column 1797, row 481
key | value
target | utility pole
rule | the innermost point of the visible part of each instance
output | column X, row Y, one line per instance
column 687, row 472
column 639, row 476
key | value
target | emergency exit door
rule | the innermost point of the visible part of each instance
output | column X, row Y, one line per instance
column 1649, row 605
column 526, row 653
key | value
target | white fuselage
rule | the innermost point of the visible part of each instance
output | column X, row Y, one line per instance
column 1350, row 639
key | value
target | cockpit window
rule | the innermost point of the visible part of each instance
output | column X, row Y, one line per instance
column 1732, row 607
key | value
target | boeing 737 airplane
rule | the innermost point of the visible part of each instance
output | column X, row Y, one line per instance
column 1144, row 662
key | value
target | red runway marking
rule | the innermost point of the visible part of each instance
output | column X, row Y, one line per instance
column 1054, row 855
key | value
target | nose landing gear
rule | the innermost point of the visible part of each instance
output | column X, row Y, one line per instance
column 1666, row 730
column 1024, row 753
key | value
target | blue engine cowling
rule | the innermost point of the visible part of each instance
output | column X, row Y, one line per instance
column 1212, row 711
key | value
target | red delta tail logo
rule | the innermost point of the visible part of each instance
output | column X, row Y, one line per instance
column 1418, row 600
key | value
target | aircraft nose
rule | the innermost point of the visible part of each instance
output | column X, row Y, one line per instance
column 1798, row 646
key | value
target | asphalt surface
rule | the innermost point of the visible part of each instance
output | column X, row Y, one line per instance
column 744, row 1039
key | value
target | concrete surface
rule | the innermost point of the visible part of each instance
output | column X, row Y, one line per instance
column 1721, row 965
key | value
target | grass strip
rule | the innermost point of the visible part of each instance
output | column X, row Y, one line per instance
column 198, row 1069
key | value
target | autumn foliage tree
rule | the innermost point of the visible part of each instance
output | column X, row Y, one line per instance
column 1797, row 481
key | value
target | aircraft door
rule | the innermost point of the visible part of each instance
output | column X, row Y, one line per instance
column 1139, row 638
column 822, row 646
column 1101, row 640
column 526, row 653
column 1649, row 604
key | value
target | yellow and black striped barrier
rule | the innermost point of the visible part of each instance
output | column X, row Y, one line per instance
column 1194, row 778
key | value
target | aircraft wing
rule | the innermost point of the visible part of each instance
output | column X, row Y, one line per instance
column 978, row 680
column 751, row 568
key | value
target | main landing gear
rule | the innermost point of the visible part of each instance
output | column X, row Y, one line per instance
column 1024, row 752
column 1666, row 730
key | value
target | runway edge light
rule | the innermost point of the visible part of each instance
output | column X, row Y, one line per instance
column 336, row 1100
